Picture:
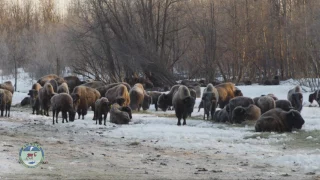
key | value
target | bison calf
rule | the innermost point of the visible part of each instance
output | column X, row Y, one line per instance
column 62, row 102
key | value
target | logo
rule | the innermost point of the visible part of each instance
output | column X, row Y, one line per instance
column 31, row 155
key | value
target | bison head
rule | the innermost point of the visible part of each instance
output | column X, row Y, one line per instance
column 128, row 110
column 238, row 92
column 296, row 102
column 312, row 97
column 146, row 102
column 163, row 102
column 239, row 115
column 294, row 119
column 72, row 115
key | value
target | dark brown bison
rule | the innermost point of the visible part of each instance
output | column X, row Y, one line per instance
column 46, row 78
column 238, row 101
column 279, row 120
column 116, row 92
column 154, row 98
column 8, row 86
column 72, row 81
column 25, row 101
column 5, row 102
column 183, row 104
column 296, row 98
column 315, row 96
column 165, row 100
column 62, row 102
column 221, row 115
column 102, row 107
column 83, row 98
column 45, row 94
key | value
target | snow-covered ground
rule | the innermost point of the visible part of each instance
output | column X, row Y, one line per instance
column 298, row 151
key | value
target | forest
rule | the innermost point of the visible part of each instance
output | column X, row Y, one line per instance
column 163, row 40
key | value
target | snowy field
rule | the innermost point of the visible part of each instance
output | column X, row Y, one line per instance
column 283, row 155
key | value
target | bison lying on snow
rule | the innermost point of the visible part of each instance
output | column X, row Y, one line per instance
column 238, row 101
column 251, row 113
column 284, row 105
column 265, row 103
column 279, row 120
column 182, row 103
column 221, row 115
column 62, row 102
column 119, row 114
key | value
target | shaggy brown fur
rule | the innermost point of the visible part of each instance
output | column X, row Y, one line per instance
column 183, row 104
column 8, row 86
column 46, row 78
column 146, row 100
column 265, row 103
column 104, row 89
column 93, row 84
column 72, row 81
column 63, row 88
column 136, row 96
column 62, row 102
column 118, row 116
column 165, row 100
column 279, row 120
column 284, row 105
column 226, row 92
column 102, row 107
column 60, row 80
column 154, row 98
column 45, row 94
column 83, row 98
column 251, row 113
column 296, row 98
column 54, row 85
column 36, row 86
column 238, row 101
column 116, row 92
column 5, row 102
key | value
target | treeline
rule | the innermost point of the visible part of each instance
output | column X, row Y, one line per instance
column 115, row 40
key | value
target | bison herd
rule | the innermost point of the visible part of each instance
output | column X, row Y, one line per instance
column 70, row 96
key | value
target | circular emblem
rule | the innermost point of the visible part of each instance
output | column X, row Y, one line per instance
column 31, row 155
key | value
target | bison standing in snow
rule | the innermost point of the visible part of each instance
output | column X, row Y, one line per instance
column 296, row 98
column 62, row 102
column 183, row 103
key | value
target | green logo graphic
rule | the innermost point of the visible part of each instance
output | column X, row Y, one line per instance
column 31, row 155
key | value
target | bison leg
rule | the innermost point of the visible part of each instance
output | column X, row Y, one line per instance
column 84, row 112
column 57, row 113
column 184, row 118
column 9, row 107
column 105, row 118
column 79, row 112
column 200, row 106
column 53, row 114
column 156, row 106
column 179, row 122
